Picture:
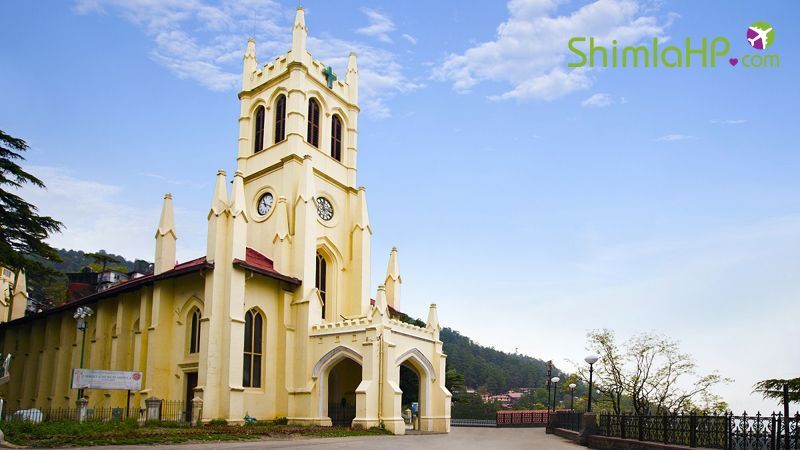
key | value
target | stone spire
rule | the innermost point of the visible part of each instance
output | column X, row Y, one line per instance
column 380, row 301
column 250, row 64
column 166, row 238
column 219, row 201
column 238, row 224
column 352, row 78
column 19, row 298
column 299, row 35
column 393, row 281
column 433, row 322
column 238, row 203
column 362, row 216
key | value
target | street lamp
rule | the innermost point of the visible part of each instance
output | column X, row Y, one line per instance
column 572, row 387
column 555, row 381
column 590, row 359
column 82, row 315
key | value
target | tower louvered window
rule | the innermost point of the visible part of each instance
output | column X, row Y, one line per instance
column 280, row 119
column 258, row 143
column 313, row 123
column 336, row 138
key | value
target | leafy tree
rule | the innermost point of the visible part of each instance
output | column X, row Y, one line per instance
column 471, row 406
column 453, row 381
column 102, row 258
column 649, row 371
column 22, row 230
column 773, row 388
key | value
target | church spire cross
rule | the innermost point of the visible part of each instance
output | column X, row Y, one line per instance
column 329, row 76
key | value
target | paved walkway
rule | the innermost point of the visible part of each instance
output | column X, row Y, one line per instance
column 459, row 438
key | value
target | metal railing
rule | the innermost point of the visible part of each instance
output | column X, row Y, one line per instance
column 570, row 420
column 724, row 431
column 102, row 414
column 473, row 423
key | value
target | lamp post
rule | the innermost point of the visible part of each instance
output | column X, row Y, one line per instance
column 572, row 387
column 590, row 359
column 82, row 315
column 549, row 372
column 555, row 381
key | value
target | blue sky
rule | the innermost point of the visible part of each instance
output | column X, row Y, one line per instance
column 530, row 201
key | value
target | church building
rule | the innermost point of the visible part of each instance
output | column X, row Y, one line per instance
column 277, row 319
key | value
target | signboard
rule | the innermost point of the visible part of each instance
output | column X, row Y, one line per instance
column 106, row 379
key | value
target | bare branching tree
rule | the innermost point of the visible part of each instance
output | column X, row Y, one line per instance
column 650, row 374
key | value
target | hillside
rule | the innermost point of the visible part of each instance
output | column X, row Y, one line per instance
column 490, row 369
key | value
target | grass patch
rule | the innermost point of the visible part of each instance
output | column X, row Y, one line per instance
column 69, row 433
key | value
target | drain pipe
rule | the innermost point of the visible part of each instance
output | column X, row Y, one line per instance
column 380, row 378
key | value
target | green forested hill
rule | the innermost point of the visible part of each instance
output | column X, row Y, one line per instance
column 490, row 369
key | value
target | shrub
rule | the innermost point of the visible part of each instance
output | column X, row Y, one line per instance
column 218, row 422
column 280, row 421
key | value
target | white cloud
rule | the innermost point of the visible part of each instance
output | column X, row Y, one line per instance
column 380, row 25
column 530, row 51
column 598, row 101
column 203, row 41
column 380, row 74
column 410, row 38
column 674, row 137
column 729, row 121
column 97, row 216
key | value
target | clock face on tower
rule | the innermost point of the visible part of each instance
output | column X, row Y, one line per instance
column 324, row 209
column 265, row 203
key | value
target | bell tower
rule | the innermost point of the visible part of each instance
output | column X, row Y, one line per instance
column 297, row 153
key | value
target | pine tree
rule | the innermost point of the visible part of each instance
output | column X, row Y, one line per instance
column 22, row 230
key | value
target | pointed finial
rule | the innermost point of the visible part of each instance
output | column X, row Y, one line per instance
column 299, row 35
column 393, row 270
column 237, row 195
column 380, row 300
column 351, row 78
column 219, row 201
column 362, row 216
column 166, row 223
column 20, row 284
column 433, row 318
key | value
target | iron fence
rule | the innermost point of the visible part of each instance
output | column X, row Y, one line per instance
column 726, row 431
column 341, row 415
column 101, row 414
column 473, row 422
column 570, row 420
column 174, row 411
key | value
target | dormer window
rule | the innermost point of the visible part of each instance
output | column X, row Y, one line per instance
column 336, row 138
column 258, row 143
column 313, row 123
column 280, row 119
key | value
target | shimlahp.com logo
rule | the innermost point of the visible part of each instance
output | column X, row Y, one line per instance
column 703, row 53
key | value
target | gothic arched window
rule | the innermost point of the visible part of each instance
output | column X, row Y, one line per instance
column 280, row 119
column 336, row 138
column 258, row 143
column 313, row 123
column 194, row 331
column 322, row 280
column 253, row 348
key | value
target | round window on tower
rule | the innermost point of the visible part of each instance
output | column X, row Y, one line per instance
column 324, row 209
